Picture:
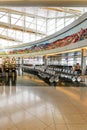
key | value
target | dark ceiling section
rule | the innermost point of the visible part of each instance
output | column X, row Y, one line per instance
column 62, row 3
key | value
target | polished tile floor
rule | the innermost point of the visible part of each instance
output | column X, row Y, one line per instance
column 41, row 107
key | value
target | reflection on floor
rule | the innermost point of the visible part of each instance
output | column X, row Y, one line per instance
column 43, row 108
column 8, row 80
column 24, row 107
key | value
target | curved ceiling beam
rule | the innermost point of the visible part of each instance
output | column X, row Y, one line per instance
column 19, row 28
column 12, row 11
column 57, row 3
column 9, row 38
column 66, row 10
column 70, row 11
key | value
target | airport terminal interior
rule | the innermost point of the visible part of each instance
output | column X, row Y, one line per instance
column 43, row 67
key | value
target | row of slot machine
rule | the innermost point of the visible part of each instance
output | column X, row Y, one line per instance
column 8, row 64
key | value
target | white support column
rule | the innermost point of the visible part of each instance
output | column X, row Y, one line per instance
column 45, row 60
column 36, row 27
column 83, row 61
column 22, row 60
column 56, row 21
column 64, row 19
column 24, row 24
column 46, row 25
column 9, row 22
column 9, row 19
